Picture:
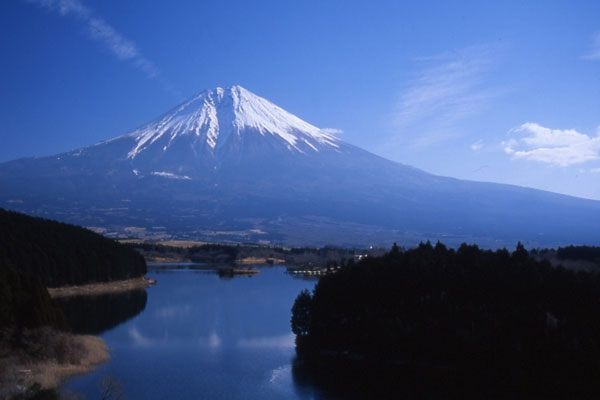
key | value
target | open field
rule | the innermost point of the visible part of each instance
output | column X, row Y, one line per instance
column 173, row 243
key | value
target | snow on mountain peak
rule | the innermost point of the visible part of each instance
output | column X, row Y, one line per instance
column 214, row 117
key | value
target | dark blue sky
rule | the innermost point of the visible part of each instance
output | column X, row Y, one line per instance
column 501, row 91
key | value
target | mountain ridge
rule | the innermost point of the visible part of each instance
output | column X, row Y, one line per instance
column 223, row 112
column 271, row 177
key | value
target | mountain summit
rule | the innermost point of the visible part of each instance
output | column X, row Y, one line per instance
column 221, row 120
column 217, row 128
column 228, row 165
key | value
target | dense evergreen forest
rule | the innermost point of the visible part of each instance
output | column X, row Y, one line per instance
column 36, row 253
column 496, row 318
column 25, row 302
column 586, row 253
column 61, row 254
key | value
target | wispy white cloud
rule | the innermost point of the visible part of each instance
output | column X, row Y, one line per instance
column 105, row 34
column 332, row 131
column 594, row 50
column 478, row 145
column 449, row 88
column 534, row 142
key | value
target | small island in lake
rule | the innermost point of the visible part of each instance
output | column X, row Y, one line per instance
column 230, row 272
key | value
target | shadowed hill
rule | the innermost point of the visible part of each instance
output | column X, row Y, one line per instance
column 60, row 254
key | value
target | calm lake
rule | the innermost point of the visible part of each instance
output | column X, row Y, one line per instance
column 197, row 336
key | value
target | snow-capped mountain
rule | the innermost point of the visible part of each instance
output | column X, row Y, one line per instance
column 214, row 129
column 219, row 120
column 230, row 165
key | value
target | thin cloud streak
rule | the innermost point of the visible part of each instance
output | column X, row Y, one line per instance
column 332, row 131
column 594, row 51
column 558, row 147
column 447, row 91
column 102, row 32
column 478, row 145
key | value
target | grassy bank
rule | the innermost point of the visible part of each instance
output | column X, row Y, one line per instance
column 93, row 289
column 45, row 356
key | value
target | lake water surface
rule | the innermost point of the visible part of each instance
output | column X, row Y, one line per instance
column 198, row 336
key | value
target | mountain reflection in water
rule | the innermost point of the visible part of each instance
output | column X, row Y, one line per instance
column 203, row 337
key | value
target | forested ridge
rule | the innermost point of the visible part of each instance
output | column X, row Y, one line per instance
column 61, row 254
column 25, row 302
column 36, row 253
column 587, row 253
column 492, row 316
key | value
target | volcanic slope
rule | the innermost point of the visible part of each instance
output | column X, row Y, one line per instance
column 228, row 165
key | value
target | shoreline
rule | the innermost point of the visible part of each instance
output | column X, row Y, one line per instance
column 93, row 289
column 47, row 357
column 260, row 261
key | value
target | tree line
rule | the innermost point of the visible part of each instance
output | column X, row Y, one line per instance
column 587, row 253
column 62, row 254
column 36, row 253
column 494, row 316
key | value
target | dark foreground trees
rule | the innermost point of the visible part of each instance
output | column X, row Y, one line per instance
column 25, row 302
column 301, row 314
column 36, row 253
column 62, row 254
column 500, row 319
